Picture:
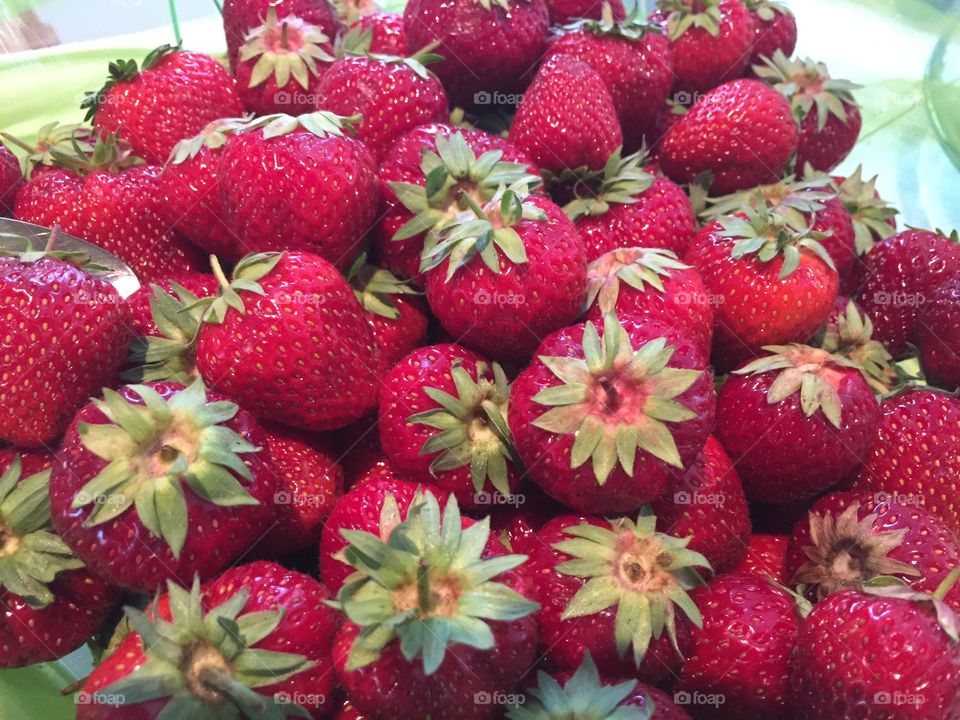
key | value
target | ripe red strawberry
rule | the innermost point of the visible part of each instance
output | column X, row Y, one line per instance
column 67, row 334
column 772, row 284
column 705, row 503
column 417, row 659
column 160, row 481
column 386, row 32
column 503, row 276
column 626, row 206
column 766, row 556
column 359, row 452
column 938, row 335
column 632, row 58
column 710, row 40
column 776, row 29
column 567, row 119
column 397, row 317
column 567, row 11
column 902, row 274
column 256, row 638
column 740, row 655
column 593, row 577
column 634, row 403
column 892, row 653
column 474, row 162
column 168, row 97
column 796, row 422
column 288, row 341
column 280, row 64
column 31, row 461
column 143, row 318
column 348, row 711
column 825, row 108
column 850, row 538
column 517, row 521
column 849, row 333
column 11, row 180
column 650, row 283
column 742, row 132
column 52, row 605
column 488, row 45
column 442, row 413
column 299, row 184
column 916, row 452
column 363, row 508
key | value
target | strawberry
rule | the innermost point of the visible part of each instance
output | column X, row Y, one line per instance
column 52, row 605
column 796, row 422
column 67, row 333
column 160, row 481
column 472, row 162
column 710, row 40
column 31, row 461
column 359, row 451
column 395, row 314
column 502, row 276
column 650, row 283
column 200, row 285
column 849, row 333
column 850, row 538
column 776, row 29
column 516, row 521
column 391, row 94
column 615, row 590
column 902, row 274
column 626, row 206
column 742, row 132
column 891, row 654
column 767, row 557
column 567, row 119
column 632, row 58
column 442, row 417
column 568, row 11
column 916, row 452
column 386, row 32
column 828, row 115
column 348, row 711
column 456, row 621
column 488, row 45
column 255, row 641
column 938, row 335
column 772, row 283
column 634, row 402
column 280, row 64
column 706, row 504
column 873, row 218
column 169, row 96
column 299, row 184
column 11, row 180
column 740, row 654
column 316, row 369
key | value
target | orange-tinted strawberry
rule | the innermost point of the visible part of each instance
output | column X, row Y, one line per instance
column 11, row 180
column 776, row 29
column 386, row 32
column 766, row 557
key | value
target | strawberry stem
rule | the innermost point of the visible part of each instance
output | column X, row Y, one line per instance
column 219, row 7
column 472, row 204
column 218, row 272
column 284, row 40
column 52, row 240
column 18, row 142
column 423, row 587
column 175, row 21
column 948, row 582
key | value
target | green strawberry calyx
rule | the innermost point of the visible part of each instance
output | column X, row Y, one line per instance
column 616, row 400
column 683, row 16
column 622, row 181
column 377, row 287
column 285, row 49
column 851, row 337
column 31, row 555
column 583, row 696
column 213, row 136
column 123, row 71
column 845, row 552
column 811, row 372
column 769, row 235
column 643, row 573
column 638, row 268
column 321, row 123
column 426, row 586
column 247, row 274
column 472, row 427
column 947, row 618
column 154, row 449
column 25, row 253
column 871, row 214
column 356, row 43
column 53, row 141
column 203, row 660
column 808, row 86
column 767, row 10
column 796, row 200
column 633, row 27
column 488, row 5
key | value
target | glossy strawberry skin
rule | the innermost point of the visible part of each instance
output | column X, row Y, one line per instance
column 11, row 180
column 743, row 132
column 705, row 502
column 855, row 651
column 315, row 369
column 938, row 335
column 122, row 550
column 565, row 11
column 841, row 242
column 299, row 192
column 779, row 452
column 766, row 555
column 826, row 148
column 396, row 337
column 916, row 453
column 742, row 651
column 31, row 461
column 564, row 642
column 778, row 33
column 67, row 334
column 167, row 103
column 484, row 50
column 388, row 37
column 200, row 284
column 567, row 118
column 547, row 455
column 119, row 212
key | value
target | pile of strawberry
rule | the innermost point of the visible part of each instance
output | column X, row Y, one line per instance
column 509, row 358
